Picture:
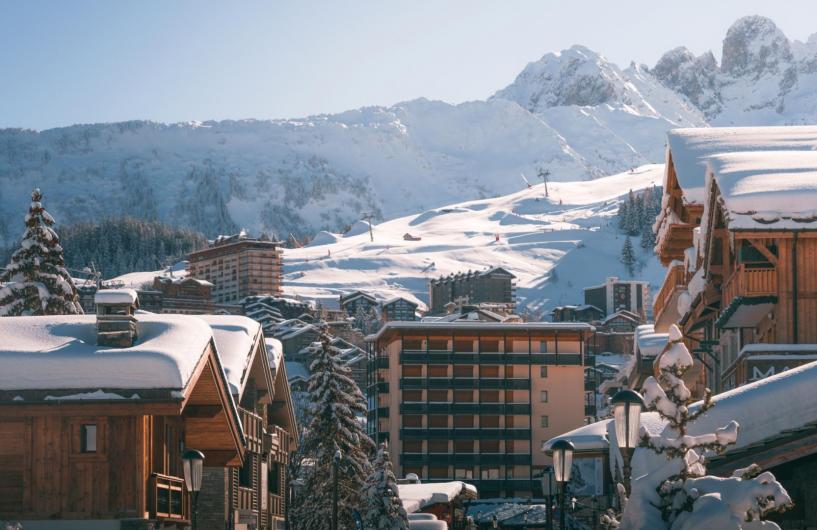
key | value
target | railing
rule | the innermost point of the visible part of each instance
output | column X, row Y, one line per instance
column 749, row 282
column 674, row 281
column 168, row 498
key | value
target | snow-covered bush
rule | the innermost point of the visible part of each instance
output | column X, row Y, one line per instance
column 678, row 495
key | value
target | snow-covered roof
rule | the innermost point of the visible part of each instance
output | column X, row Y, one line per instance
column 182, row 279
column 296, row 371
column 592, row 437
column 690, row 148
column 767, row 190
column 235, row 336
column 275, row 352
column 495, row 326
column 116, row 296
column 417, row 496
column 648, row 342
column 60, row 352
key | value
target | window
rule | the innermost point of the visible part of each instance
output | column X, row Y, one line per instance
column 464, row 446
column 464, row 396
column 489, row 371
column 463, row 345
column 508, row 472
column 543, row 396
column 88, row 438
column 412, row 395
column 509, row 423
column 489, row 446
column 463, row 371
column 543, row 371
column 274, row 478
column 463, row 421
column 438, row 371
column 489, row 473
column 438, row 396
column 491, row 422
column 245, row 473
column 438, row 344
column 438, row 472
column 438, row 421
column 464, row 473
column 412, row 370
column 417, row 470
column 438, row 446
column 412, row 420
column 509, row 372
column 490, row 396
column 545, row 422
column 412, row 446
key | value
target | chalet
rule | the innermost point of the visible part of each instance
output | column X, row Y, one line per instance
column 398, row 309
column 95, row 412
column 447, row 501
column 621, row 321
column 252, row 495
column 184, row 295
column 495, row 286
column 577, row 313
column 356, row 302
column 269, row 310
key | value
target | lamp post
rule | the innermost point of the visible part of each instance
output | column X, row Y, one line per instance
column 627, row 407
column 547, row 490
column 192, row 463
column 335, row 463
column 562, row 467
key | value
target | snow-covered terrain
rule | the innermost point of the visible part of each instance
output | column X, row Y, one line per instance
column 573, row 113
column 554, row 245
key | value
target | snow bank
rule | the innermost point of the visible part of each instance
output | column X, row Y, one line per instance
column 418, row 496
column 235, row 337
column 324, row 238
column 60, row 352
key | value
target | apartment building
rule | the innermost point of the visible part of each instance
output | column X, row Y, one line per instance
column 186, row 296
column 620, row 295
column 474, row 400
column 495, row 287
column 239, row 266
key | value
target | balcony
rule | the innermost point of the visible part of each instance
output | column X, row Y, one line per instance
column 747, row 296
column 168, row 498
column 464, row 434
column 667, row 299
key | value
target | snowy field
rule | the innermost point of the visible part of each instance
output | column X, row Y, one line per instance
column 555, row 245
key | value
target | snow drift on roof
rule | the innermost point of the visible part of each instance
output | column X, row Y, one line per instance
column 648, row 342
column 115, row 296
column 690, row 148
column 418, row 496
column 234, row 336
column 296, row 370
column 60, row 352
column 767, row 190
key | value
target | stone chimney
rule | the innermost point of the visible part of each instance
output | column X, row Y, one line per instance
column 115, row 320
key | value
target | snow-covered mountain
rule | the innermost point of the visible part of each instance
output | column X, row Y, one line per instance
column 555, row 245
column 573, row 113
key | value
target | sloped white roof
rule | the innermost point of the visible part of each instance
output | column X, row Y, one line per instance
column 690, row 148
column 767, row 190
column 60, row 352
column 417, row 496
column 115, row 296
column 234, row 336
column 275, row 352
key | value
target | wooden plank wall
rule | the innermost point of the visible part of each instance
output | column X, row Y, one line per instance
column 806, row 291
column 44, row 474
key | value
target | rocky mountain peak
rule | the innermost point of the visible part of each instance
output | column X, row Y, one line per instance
column 754, row 46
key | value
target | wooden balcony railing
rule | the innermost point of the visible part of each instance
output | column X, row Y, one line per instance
column 749, row 282
column 168, row 498
column 674, row 282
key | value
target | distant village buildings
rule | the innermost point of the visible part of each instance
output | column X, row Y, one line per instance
column 495, row 286
column 616, row 295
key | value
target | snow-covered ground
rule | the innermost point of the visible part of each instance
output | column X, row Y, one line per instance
column 555, row 246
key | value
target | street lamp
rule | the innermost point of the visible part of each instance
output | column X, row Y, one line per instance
column 192, row 463
column 627, row 407
column 547, row 489
column 335, row 463
column 562, row 467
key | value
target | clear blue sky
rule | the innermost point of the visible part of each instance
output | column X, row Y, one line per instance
column 78, row 61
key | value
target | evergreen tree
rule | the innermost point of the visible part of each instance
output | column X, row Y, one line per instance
column 628, row 256
column 622, row 216
column 679, row 495
column 384, row 509
column 36, row 281
column 336, row 405
column 631, row 224
column 647, row 236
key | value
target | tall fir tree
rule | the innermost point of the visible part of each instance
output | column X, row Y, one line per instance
column 336, row 404
column 36, row 281
column 384, row 509
column 628, row 256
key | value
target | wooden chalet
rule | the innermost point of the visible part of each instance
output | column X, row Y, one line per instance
column 95, row 413
column 252, row 496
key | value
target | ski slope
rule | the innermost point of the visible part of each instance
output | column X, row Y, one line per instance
column 555, row 245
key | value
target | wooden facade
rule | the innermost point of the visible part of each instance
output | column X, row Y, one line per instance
column 113, row 459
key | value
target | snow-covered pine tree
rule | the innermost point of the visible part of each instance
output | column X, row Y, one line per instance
column 647, row 236
column 628, row 256
column 336, row 405
column 384, row 509
column 35, row 280
column 622, row 216
column 679, row 495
